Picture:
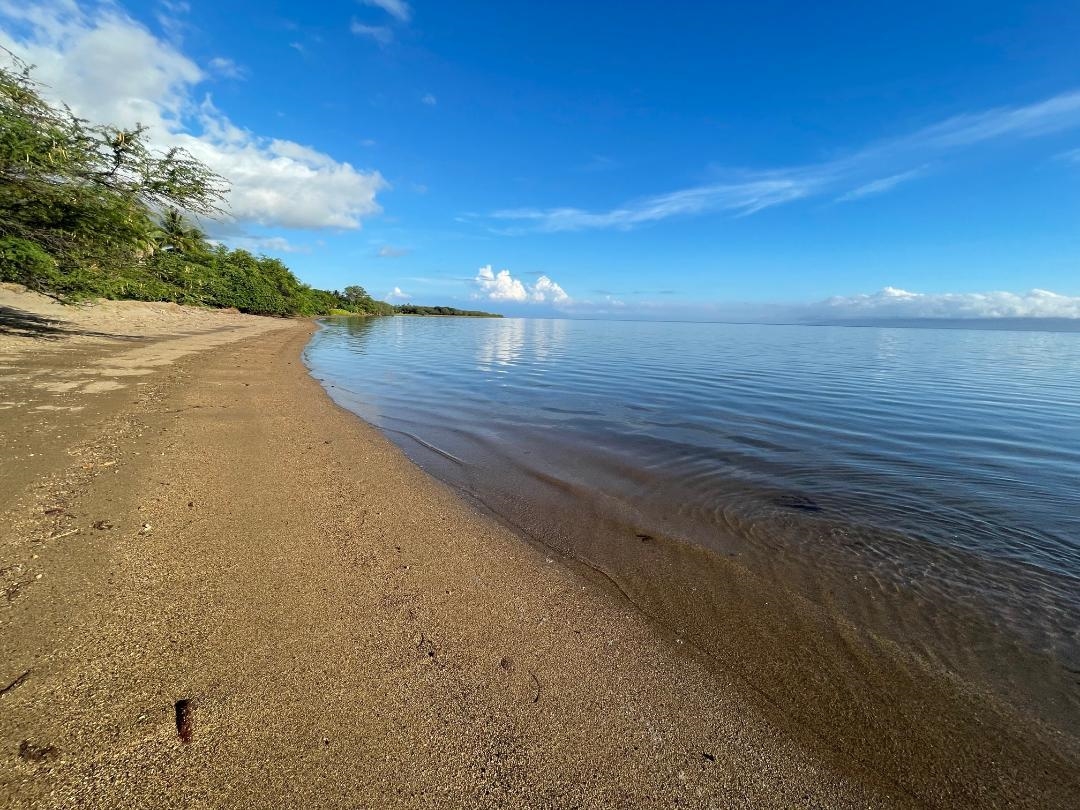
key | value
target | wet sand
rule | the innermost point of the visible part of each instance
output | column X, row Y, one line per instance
column 345, row 630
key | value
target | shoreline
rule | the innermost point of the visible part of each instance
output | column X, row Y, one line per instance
column 931, row 693
column 408, row 652
column 348, row 629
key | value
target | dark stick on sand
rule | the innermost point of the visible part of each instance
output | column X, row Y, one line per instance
column 185, row 719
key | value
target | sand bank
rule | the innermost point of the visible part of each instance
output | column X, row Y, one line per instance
column 346, row 632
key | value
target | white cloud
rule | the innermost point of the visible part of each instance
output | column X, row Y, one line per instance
column 111, row 69
column 1054, row 114
column 397, row 294
column 223, row 66
column 395, row 8
column 266, row 244
column 499, row 286
column 429, row 99
column 741, row 198
column 892, row 302
column 379, row 33
column 1072, row 156
column 547, row 290
column 881, row 185
column 502, row 286
column 170, row 16
column 874, row 169
column 391, row 252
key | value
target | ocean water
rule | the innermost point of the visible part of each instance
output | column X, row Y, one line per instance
column 921, row 485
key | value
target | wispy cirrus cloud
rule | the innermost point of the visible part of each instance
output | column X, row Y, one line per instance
column 380, row 33
column 398, row 9
column 744, row 197
column 881, row 185
column 226, row 68
column 873, row 169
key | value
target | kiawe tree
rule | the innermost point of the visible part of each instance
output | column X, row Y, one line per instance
column 84, row 194
column 95, row 210
column 355, row 294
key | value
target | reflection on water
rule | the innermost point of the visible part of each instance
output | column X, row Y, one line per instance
column 500, row 344
column 920, row 482
column 508, row 342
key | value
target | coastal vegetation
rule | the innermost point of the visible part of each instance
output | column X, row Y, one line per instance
column 94, row 211
column 414, row 309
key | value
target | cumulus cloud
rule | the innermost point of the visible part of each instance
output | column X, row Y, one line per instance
column 873, row 169
column 892, row 302
column 429, row 99
column 112, row 69
column 391, row 252
column 502, row 286
column 547, row 290
column 397, row 294
column 499, row 286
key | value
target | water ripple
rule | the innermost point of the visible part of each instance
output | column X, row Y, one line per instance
column 944, row 463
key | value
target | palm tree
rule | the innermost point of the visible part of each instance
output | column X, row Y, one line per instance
column 176, row 234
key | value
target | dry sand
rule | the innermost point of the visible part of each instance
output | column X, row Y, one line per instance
column 187, row 517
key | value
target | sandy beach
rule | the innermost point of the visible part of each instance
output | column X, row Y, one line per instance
column 222, row 590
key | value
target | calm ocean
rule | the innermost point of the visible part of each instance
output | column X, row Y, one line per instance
column 921, row 484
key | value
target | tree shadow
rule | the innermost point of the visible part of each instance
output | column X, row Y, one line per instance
column 19, row 323
column 26, row 324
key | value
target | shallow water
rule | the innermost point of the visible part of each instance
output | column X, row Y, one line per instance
column 919, row 483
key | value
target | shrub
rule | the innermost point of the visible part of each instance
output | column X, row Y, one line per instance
column 25, row 262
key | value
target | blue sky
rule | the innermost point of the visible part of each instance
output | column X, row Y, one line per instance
column 642, row 159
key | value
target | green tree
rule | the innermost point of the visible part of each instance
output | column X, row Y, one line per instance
column 93, row 210
column 356, row 295
column 177, row 234
column 85, row 193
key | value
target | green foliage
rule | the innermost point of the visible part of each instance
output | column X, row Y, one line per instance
column 92, row 211
column 84, row 192
column 413, row 309
column 25, row 262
